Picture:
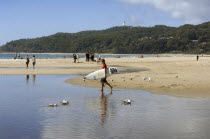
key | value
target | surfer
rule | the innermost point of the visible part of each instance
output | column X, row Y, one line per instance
column 103, row 80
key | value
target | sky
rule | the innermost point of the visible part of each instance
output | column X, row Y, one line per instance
column 20, row 19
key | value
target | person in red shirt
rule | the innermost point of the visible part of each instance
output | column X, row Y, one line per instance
column 103, row 80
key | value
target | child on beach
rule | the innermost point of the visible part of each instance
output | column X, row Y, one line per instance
column 103, row 80
column 27, row 60
column 33, row 61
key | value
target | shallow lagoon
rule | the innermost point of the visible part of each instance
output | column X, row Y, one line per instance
column 91, row 115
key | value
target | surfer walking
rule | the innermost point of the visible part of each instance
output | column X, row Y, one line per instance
column 103, row 80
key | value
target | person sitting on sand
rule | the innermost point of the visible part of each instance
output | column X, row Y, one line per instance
column 27, row 60
column 33, row 61
column 103, row 80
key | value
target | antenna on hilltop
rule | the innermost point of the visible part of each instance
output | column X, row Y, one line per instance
column 124, row 23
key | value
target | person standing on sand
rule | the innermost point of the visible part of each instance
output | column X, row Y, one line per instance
column 103, row 80
column 197, row 57
column 33, row 61
column 77, row 57
column 74, row 57
column 87, row 56
column 27, row 60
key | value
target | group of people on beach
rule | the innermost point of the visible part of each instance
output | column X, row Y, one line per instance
column 90, row 56
column 28, row 61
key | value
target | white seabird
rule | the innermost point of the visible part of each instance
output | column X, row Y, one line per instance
column 52, row 105
column 126, row 101
column 65, row 102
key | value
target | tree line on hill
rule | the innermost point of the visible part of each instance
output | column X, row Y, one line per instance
column 124, row 39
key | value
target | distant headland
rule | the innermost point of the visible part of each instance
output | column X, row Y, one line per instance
column 122, row 40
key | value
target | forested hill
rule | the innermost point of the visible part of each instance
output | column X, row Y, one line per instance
column 157, row 39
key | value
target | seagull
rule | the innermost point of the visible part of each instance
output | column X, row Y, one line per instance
column 144, row 78
column 126, row 101
column 52, row 105
column 149, row 78
column 177, row 76
column 65, row 102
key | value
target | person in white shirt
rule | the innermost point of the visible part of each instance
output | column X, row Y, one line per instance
column 77, row 57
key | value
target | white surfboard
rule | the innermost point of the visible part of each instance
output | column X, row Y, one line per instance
column 99, row 74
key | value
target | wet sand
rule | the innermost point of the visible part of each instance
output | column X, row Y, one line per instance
column 176, row 76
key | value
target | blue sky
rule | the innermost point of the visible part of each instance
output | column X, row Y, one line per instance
column 35, row 18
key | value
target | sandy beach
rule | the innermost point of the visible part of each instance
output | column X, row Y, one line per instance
column 176, row 76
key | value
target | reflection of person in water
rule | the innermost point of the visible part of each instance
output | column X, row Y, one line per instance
column 103, row 108
column 103, row 102
column 34, row 78
column 27, row 79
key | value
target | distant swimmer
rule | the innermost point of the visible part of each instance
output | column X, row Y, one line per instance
column 27, row 60
column 103, row 80
column 33, row 61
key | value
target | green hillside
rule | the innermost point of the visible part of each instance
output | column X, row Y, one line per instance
column 157, row 39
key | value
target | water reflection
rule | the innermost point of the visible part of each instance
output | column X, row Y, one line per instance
column 104, row 107
column 27, row 77
column 34, row 78
column 92, row 115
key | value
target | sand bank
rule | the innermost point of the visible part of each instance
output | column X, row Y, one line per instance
column 177, row 76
